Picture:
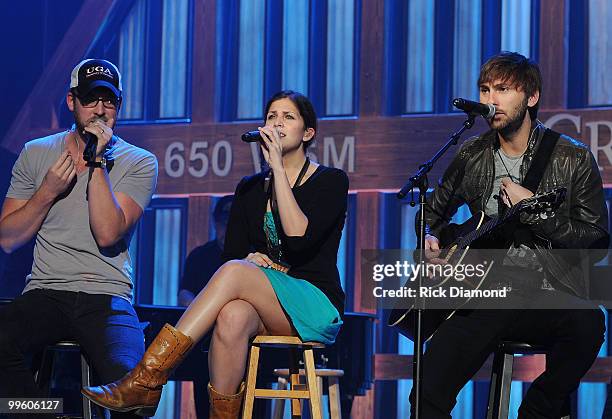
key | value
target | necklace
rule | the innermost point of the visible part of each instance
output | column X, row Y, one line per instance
column 302, row 173
column 76, row 140
column 77, row 159
column 518, row 159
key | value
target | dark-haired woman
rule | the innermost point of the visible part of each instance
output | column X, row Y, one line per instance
column 281, row 279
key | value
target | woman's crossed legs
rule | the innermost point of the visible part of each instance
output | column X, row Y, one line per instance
column 239, row 302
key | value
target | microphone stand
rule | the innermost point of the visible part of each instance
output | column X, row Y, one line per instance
column 419, row 180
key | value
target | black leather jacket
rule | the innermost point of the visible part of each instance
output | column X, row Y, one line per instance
column 581, row 222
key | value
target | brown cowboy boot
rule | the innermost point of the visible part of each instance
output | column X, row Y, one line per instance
column 140, row 389
column 223, row 406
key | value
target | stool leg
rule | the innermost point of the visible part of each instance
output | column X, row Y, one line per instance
column 501, row 381
column 506, row 384
column 85, row 382
column 88, row 406
column 335, row 412
column 249, row 399
column 279, row 404
column 311, row 379
column 43, row 375
column 294, row 377
column 320, row 388
column 495, row 383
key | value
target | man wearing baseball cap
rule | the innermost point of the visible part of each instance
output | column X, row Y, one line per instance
column 82, row 207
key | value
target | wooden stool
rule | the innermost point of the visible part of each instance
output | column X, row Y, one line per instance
column 298, row 391
column 333, row 388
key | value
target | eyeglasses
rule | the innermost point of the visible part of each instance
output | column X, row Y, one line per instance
column 92, row 102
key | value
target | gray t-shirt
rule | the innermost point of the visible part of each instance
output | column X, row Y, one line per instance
column 66, row 256
column 507, row 166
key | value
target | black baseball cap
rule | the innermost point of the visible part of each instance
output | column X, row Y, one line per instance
column 94, row 72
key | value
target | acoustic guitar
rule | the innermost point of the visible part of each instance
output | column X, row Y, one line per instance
column 458, row 243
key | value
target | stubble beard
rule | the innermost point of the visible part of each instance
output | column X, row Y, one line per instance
column 513, row 122
column 81, row 124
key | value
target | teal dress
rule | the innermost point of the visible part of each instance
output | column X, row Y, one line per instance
column 313, row 316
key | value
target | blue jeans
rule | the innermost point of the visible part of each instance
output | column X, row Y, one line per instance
column 106, row 327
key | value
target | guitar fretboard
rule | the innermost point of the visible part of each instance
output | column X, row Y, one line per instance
column 487, row 227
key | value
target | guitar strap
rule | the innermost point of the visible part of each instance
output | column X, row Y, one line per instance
column 520, row 233
column 540, row 161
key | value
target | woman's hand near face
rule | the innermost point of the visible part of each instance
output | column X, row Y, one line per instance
column 272, row 148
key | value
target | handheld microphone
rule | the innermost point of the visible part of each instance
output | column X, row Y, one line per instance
column 89, row 152
column 91, row 146
column 486, row 110
column 251, row 136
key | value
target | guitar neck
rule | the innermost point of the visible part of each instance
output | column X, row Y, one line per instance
column 480, row 232
column 543, row 203
column 487, row 227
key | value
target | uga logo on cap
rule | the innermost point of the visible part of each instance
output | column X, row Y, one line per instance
column 92, row 73
column 98, row 69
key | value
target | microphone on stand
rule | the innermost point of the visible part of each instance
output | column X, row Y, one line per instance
column 485, row 110
column 251, row 136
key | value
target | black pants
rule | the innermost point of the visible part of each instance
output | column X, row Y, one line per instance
column 463, row 343
column 106, row 328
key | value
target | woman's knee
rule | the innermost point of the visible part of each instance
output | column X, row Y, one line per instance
column 234, row 270
column 236, row 320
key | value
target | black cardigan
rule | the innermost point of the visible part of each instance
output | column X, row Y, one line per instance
column 323, row 199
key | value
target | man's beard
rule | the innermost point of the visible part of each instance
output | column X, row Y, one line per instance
column 513, row 121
